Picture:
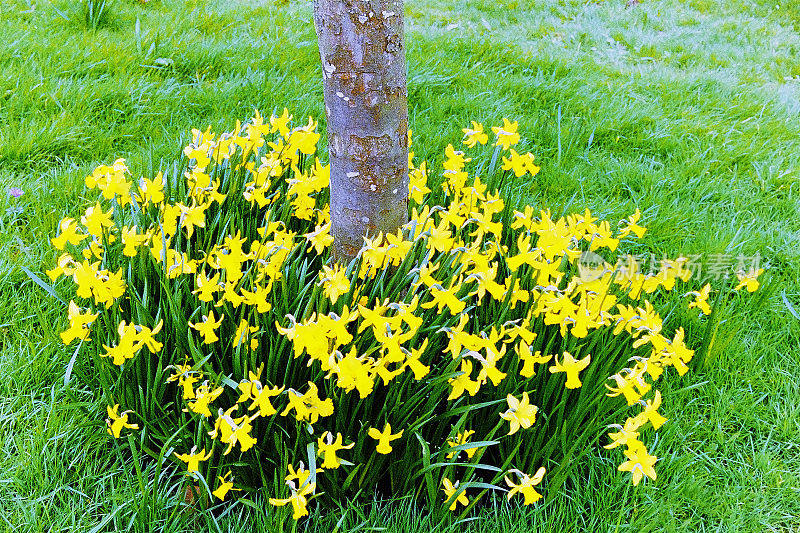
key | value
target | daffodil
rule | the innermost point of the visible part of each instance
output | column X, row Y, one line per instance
column 572, row 367
column 258, row 298
column 354, row 372
column 520, row 164
column 203, row 396
column 506, row 134
column 328, row 448
column 132, row 240
column 450, row 490
column 206, row 287
column 529, row 359
column 462, row 382
column 128, row 346
column 650, row 412
column 320, row 238
column 301, row 475
column 117, row 421
column 243, row 332
column 701, row 299
column 631, row 225
column 334, row 282
column 418, row 184
column 199, row 153
column 305, row 138
column 151, row 191
column 461, row 439
column 625, row 435
column 526, row 485
column 441, row 238
column 489, row 368
column 446, row 298
column 207, row 327
column 749, row 279
column 225, row 486
column 146, row 336
column 639, row 463
column 192, row 216
column 626, row 386
column 261, row 395
column 186, row 378
column 308, row 406
column 193, row 459
column 232, row 431
column 111, row 181
column 64, row 267
column 474, row 135
column 79, row 323
column 413, row 361
column 298, row 499
column 96, row 220
column 454, row 159
column 520, row 413
column 384, row 438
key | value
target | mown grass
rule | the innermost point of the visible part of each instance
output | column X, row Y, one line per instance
column 687, row 110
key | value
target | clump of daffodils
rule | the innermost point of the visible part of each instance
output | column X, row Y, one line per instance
column 218, row 323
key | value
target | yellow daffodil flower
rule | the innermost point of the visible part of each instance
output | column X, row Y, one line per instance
column 320, row 238
column 298, row 499
column 525, row 485
column 192, row 216
column 355, row 372
column 529, row 359
column 193, row 459
column 449, row 490
column 506, row 134
column 64, row 267
column 639, row 463
column 207, row 328
column 520, row 164
column 309, row 406
column 116, row 421
column 626, row 435
column 446, row 298
column 384, row 438
column 232, row 431
column 186, row 378
column 631, row 226
column 520, row 413
column 203, row 396
column 225, row 486
column 334, row 282
column 258, row 298
column 749, row 279
column 474, row 135
column 701, row 299
column 328, row 448
column 96, row 220
column 572, row 367
column 650, row 413
column 625, row 386
column 132, row 240
column 79, row 323
column 463, row 382
column 206, row 287
column 462, row 438
column 152, row 191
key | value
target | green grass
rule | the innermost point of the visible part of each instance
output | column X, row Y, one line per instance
column 687, row 110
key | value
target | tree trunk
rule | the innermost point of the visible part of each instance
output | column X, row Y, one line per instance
column 364, row 82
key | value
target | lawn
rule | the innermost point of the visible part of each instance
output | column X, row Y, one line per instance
column 688, row 110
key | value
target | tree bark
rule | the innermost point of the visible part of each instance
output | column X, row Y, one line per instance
column 364, row 83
